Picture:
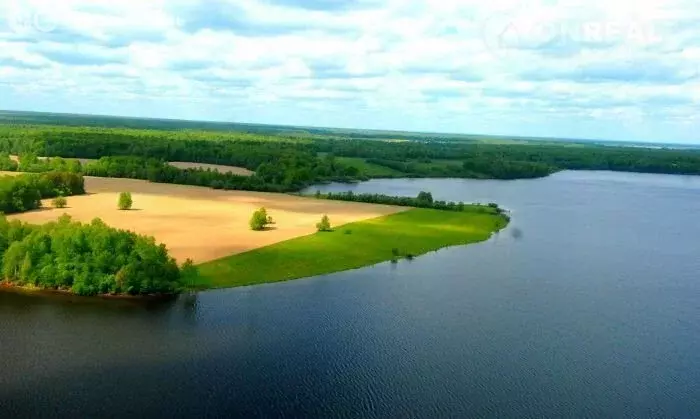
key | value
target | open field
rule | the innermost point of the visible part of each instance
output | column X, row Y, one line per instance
column 201, row 223
column 369, row 169
column 363, row 243
column 241, row 171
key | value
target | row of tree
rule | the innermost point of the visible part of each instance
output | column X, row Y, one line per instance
column 472, row 167
column 156, row 170
column 423, row 200
column 25, row 192
column 86, row 259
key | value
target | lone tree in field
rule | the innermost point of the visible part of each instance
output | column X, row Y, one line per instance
column 125, row 201
column 324, row 224
column 60, row 202
column 260, row 220
column 425, row 198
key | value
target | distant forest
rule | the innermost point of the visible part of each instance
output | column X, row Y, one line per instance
column 290, row 160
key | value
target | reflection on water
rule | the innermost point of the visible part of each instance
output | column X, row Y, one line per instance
column 516, row 233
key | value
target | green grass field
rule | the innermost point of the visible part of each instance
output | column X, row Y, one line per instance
column 355, row 245
column 369, row 169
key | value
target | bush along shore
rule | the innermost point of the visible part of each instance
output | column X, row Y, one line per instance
column 423, row 200
column 87, row 259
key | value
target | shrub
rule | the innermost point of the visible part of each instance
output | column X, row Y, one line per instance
column 324, row 224
column 425, row 197
column 59, row 202
column 189, row 274
column 125, row 201
column 260, row 220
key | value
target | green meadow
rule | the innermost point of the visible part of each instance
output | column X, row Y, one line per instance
column 402, row 235
column 369, row 169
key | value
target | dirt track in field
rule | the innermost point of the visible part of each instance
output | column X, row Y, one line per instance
column 201, row 223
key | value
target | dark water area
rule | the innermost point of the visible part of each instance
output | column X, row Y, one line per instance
column 587, row 305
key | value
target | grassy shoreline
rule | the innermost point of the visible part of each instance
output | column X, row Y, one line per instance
column 355, row 245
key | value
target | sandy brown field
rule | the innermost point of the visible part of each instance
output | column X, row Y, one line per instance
column 201, row 223
column 241, row 171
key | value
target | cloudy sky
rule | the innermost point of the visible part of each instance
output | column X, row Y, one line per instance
column 563, row 68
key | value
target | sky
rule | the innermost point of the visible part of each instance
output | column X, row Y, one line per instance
column 599, row 69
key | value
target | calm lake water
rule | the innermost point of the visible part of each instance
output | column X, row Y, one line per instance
column 588, row 305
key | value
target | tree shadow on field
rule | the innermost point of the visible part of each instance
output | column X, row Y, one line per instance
column 268, row 228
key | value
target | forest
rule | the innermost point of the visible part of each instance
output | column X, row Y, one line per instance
column 287, row 162
column 25, row 192
column 86, row 259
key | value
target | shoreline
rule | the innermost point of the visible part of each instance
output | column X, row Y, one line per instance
column 364, row 233
column 403, row 235
column 36, row 291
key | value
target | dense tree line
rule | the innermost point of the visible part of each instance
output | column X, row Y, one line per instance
column 285, row 162
column 280, row 165
column 40, row 118
column 513, row 161
column 423, row 200
column 85, row 259
column 504, row 168
column 25, row 192
column 30, row 162
column 156, row 170
column 7, row 164
column 472, row 167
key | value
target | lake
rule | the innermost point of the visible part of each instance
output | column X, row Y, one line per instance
column 587, row 305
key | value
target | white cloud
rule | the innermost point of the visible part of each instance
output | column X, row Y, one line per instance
column 570, row 68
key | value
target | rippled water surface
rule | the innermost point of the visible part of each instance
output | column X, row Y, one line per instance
column 588, row 305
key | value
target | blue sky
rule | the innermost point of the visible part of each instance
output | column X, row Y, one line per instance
column 577, row 68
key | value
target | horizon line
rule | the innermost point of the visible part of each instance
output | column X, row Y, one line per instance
column 397, row 131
